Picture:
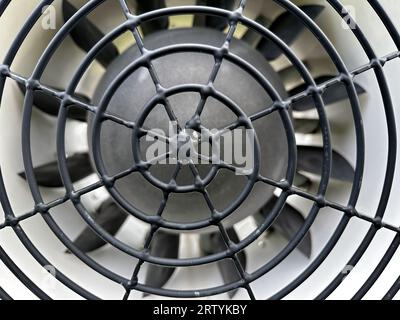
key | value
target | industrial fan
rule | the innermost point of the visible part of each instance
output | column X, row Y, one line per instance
column 109, row 215
column 204, row 66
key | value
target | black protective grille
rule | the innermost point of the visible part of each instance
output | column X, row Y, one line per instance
column 280, row 105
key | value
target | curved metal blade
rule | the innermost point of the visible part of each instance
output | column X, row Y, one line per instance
column 305, row 126
column 48, row 175
column 110, row 217
column 288, row 28
column 158, row 24
column 333, row 94
column 310, row 158
column 51, row 105
column 288, row 224
column 214, row 22
column 252, row 37
column 163, row 245
column 301, row 181
column 213, row 243
column 86, row 35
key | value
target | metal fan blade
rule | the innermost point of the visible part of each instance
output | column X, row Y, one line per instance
column 51, row 105
column 252, row 37
column 48, row 175
column 310, row 158
column 163, row 245
column 301, row 181
column 288, row 224
column 305, row 126
column 332, row 94
column 161, row 23
column 214, row 22
column 288, row 28
column 86, row 35
column 110, row 217
column 213, row 243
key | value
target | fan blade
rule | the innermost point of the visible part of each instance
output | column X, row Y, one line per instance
column 48, row 175
column 252, row 37
column 110, row 217
column 305, row 126
column 288, row 28
column 310, row 159
column 288, row 224
column 302, row 182
column 213, row 243
column 86, row 35
column 51, row 105
column 214, row 22
column 161, row 23
column 163, row 245
column 332, row 94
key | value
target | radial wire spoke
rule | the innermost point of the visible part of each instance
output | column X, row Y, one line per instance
column 153, row 230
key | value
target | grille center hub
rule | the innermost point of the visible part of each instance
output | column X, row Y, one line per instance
column 181, row 142
column 182, row 69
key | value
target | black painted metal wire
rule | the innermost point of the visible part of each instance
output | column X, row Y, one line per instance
column 279, row 105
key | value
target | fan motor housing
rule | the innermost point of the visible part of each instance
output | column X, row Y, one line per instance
column 191, row 68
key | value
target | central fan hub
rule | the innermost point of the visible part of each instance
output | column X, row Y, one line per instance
column 190, row 68
column 181, row 142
